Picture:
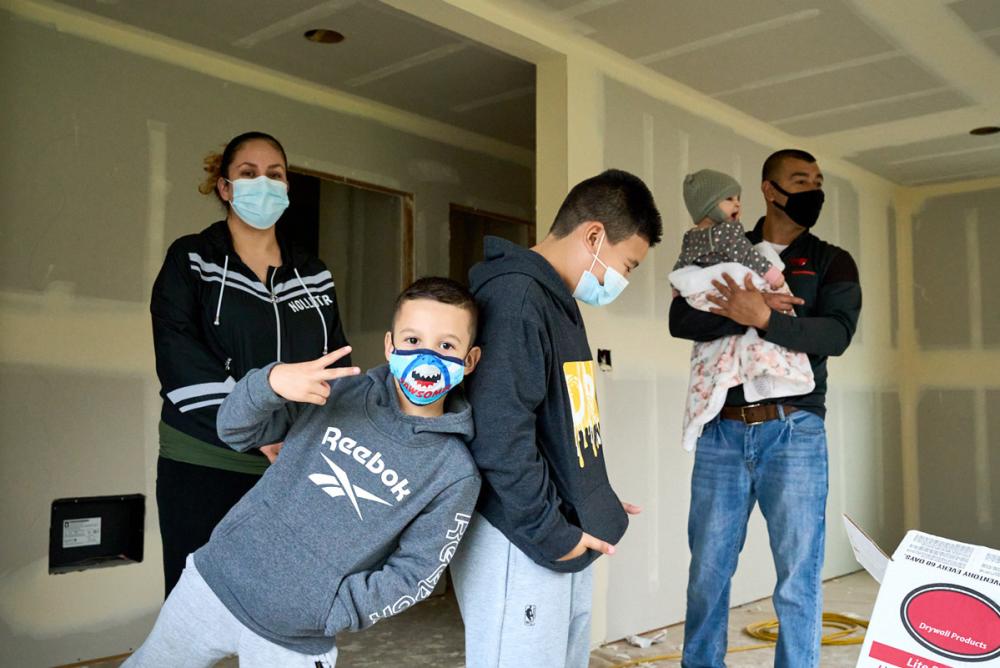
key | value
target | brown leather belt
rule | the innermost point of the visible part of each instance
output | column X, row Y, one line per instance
column 755, row 413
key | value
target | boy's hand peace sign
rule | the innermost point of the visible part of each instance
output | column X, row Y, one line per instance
column 309, row 382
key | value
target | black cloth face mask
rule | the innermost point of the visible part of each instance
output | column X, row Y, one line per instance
column 802, row 207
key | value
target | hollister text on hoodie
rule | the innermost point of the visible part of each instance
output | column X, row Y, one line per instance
column 214, row 320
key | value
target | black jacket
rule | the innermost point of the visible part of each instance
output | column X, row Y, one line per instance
column 538, row 440
column 207, row 337
column 822, row 274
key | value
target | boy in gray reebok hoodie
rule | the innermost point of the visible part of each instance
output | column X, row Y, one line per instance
column 361, row 512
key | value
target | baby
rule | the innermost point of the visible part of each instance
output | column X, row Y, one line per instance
column 718, row 246
column 713, row 200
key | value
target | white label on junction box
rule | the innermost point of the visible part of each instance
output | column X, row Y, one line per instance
column 82, row 532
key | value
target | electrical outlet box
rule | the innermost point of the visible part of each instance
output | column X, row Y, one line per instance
column 96, row 532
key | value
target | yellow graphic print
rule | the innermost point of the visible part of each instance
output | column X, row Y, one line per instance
column 583, row 403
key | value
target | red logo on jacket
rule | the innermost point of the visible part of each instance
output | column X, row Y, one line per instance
column 798, row 264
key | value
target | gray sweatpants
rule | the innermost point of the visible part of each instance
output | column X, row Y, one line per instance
column 195, row 630
column 518, row 614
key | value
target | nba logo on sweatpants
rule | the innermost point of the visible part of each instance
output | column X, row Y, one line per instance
column 529, row 615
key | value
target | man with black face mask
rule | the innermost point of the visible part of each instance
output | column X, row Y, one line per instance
column 772, row 453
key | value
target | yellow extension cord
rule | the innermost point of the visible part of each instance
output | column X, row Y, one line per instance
column 845, row 633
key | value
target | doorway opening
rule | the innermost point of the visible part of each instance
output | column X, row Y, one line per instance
column 364, row 234
column 470, row 226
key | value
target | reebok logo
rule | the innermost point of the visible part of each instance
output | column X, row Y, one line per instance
column 426, row 586
column 372, row 461
column 339, row 484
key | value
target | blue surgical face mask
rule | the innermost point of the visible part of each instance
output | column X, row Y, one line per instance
column 425, row 375
column 259, row 202
column 590, row 291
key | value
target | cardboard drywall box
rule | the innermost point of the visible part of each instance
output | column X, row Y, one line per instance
column 937, row 606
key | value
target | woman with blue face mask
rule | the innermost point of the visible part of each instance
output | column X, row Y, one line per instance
column 232, row 298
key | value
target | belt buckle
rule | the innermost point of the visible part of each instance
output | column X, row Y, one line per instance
column 743, row 415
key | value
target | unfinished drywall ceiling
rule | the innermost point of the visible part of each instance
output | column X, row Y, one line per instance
column 982, row 17
column 851, row 77
column 387, row 55
column 774, row 62
column 953, row 158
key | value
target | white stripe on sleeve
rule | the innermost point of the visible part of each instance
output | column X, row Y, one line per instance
column 201, row 390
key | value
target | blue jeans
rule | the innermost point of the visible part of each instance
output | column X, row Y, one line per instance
column 781, row 464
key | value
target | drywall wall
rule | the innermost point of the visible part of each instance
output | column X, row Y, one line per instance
column 955, row 347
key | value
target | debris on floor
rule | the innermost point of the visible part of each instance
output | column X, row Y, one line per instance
column 644, row 642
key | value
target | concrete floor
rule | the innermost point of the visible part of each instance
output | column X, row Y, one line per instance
column 430, row 635
column 852, row 595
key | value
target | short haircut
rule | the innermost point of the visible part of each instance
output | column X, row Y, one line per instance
column 775, row 161
column 440, row 289
column 618, row 200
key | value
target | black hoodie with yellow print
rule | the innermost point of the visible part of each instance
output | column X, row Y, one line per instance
column 538, row 442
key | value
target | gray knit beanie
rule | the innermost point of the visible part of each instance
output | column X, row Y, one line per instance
column 704, row 189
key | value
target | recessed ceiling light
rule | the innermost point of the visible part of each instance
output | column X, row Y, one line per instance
column 985, row 130
column 323, row 36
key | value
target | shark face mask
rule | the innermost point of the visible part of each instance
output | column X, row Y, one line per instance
column 425, row 375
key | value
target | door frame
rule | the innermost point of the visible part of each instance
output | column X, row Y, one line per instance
column 455, row 225
column 452, row 207
column 406, row 213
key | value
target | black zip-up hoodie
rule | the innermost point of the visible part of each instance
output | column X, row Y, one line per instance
column 538, row 440
column 822, row 274
column 213, row 321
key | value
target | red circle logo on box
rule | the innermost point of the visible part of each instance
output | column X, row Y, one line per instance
column 953, row 621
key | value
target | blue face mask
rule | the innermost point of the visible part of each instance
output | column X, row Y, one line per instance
column 259, row 202
column 590, row 291
column 425, row 375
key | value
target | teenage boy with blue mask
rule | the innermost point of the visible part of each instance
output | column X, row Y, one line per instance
column 523, row 576
column 358, row 517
